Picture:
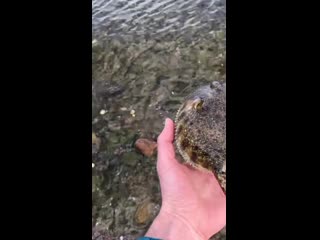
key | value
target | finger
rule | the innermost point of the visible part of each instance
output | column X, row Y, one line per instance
column 166, row 154
column 167, row 133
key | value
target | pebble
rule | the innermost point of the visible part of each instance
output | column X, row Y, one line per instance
column 102, row 112
column 94, row 43
column 92, row 165
column 143, row 213
column 146, row 147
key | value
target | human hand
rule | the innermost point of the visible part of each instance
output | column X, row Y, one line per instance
column 193, row 203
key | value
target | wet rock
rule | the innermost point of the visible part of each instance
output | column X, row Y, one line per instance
column 115, row 90
column 146, row 147
column 101, row 160
column 146, row 211
column 106, row 90
column 95, row 143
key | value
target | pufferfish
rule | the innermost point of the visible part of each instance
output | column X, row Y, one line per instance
column 200, row 130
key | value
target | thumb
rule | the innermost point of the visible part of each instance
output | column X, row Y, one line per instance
column 166, row 153
column 167, row 133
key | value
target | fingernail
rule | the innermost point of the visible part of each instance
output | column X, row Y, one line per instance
column 166, row 121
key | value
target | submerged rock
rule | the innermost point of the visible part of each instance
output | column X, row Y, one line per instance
column 146, row 211
column 146, row 147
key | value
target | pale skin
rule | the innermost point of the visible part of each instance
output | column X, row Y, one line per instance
column 193, row 203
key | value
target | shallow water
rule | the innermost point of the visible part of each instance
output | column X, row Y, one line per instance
column 146, row 56
column 154, row 18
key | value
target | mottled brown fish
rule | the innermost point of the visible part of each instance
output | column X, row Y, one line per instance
column 200, row 134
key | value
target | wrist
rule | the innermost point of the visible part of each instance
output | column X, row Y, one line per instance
column 167, row 226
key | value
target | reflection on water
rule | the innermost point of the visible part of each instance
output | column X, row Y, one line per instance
column 146, row 56
column 154, row 18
